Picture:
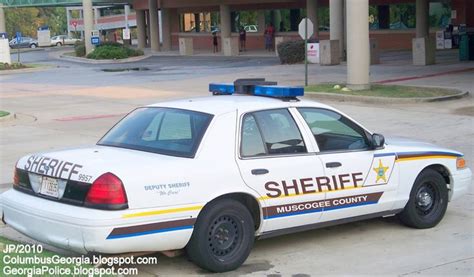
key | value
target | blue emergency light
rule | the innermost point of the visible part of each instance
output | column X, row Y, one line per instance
column 257, row 87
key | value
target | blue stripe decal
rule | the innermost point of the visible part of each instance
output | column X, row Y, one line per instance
column 350, row 205
column 320, row 210
column 150, row 232
column 384, row 154
column 295, row 213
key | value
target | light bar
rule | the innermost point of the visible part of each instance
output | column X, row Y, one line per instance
column 278, row 91
column 266, row 90
column 221, row 89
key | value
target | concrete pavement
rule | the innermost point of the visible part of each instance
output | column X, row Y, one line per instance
column 72, row 104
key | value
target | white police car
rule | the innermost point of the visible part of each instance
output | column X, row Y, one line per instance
column 212, row 174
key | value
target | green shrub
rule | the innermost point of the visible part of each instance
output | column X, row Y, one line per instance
column 291, row 51
column 110, row 43
column 134, row 52
column 80, row 48
column 6, row 66
column 108, row 52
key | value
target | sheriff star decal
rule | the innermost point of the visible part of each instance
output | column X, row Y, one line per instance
column 381, row 170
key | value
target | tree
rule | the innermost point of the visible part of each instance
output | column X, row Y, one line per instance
column 28, row 20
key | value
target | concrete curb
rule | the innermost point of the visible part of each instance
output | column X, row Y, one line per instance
column 9, row 117
column 89, row 61
column 374, row 99
column 26, row 50
column 24, row 70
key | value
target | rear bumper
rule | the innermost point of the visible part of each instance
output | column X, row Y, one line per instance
column 85, row 230
column 461, row 183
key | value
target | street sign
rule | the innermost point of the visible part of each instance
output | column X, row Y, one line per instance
column 313, row 52
column 95, row 40
column 95, row 33
column 305, row 30
column 305, row 34
column 126, row 33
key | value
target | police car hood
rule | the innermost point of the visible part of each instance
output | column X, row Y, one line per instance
column 88, row 163
column 401, row 144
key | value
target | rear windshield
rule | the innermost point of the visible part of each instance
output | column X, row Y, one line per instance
column 166, row 131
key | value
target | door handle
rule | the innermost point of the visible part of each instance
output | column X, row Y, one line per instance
column 333, row 164
column 259, row 171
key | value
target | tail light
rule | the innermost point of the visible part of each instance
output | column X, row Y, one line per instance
column 107, row 192
column 16, row 177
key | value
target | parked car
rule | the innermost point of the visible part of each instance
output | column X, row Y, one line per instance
column 63, row 40
column 251, row 28
column 212, row 174
column 25, row 42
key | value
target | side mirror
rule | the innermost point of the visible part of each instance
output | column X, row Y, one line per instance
column 378, row 141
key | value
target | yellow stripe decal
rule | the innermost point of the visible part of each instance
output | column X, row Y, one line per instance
column 168, row 211
column 401, row 159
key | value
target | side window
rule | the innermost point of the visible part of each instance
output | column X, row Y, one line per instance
column 272, row 132
column 252, row 143
column 334, row 132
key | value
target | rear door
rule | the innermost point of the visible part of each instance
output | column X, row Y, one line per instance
column 359, row 179
column 276, row 160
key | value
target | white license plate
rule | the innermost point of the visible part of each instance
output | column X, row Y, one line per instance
column 49, row 187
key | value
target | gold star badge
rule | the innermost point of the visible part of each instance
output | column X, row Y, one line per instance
column 380, row 171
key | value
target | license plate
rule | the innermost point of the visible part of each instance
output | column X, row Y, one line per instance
column 49, row 187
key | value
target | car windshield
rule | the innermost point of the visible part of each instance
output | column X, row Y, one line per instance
column 166, row 131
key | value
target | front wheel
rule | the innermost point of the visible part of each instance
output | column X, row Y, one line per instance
column 223, row 236
column 59, row 44
column 33, row 46
column 428, row 201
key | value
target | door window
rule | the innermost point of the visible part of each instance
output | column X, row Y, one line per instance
column 334, row 132
column 271, row 132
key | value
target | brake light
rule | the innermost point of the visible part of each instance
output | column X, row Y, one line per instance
column 16, row 177
column 107, row 190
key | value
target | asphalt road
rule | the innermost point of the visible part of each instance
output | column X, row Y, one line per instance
column 71, row 104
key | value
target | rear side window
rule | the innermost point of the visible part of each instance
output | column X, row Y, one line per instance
column 160, row 130
column 271, row 132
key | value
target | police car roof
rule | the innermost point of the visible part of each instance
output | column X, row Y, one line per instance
column 220, row 104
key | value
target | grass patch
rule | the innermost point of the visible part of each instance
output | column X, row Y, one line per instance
column 393, row 91
column 70, row 54
column 4, row 113
column 12, row 66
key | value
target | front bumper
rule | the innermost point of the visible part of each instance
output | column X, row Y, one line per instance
column 461, row 182
column 84, row 230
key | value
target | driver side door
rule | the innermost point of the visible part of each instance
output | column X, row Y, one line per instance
column 359, row 177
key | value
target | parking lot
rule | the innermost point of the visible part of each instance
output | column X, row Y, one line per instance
column 67, row 104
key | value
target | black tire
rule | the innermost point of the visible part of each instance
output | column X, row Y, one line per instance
column 33, row 45
column 428, row 201
column 223, row 236
column 59, row 44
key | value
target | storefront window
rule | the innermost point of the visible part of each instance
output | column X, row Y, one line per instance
column 195, row 22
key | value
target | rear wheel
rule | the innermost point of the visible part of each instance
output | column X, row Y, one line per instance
column 33, row 46
column 59, row 44
column 428, row 201
column 223, row 236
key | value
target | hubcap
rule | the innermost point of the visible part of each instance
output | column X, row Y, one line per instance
column 426, row 199
column 224, row 235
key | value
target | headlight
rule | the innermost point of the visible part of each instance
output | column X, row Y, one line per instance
column 460, row 163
